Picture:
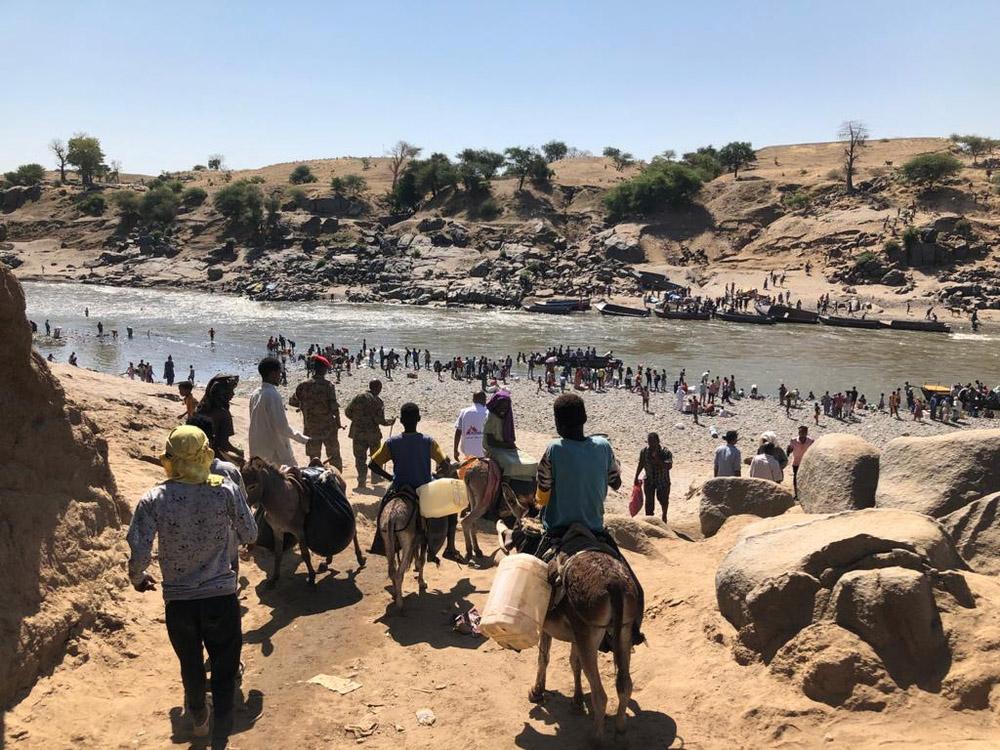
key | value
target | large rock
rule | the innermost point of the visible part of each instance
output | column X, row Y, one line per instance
column 975, row 530
column 723, row 497
column 940, row 474
column 838, row 472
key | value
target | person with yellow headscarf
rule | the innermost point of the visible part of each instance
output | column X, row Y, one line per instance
column 196, row 515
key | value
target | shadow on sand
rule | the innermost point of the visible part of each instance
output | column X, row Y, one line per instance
column 644, row 729
column 246, row 710
column 428, row 618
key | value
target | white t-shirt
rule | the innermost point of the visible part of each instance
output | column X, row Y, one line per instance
column 471, row 421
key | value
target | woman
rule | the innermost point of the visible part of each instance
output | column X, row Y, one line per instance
column 765, row 466
column 499, row 439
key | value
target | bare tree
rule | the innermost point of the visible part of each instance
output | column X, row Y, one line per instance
column 854, row 134
column 398, row 155
column 58, row 148
column 215, row 162
column 114, row 173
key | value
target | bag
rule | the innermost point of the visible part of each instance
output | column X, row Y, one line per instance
column 329, row 525
column 635, row 504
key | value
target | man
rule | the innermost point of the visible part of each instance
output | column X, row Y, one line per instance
column 317, row 398
column 190, row 373
column 168, row 370
column 727, row 457
column 269, row 428
column 657, row 462
column 367, row 414
column 199, row 517
column 797, row 448
column 469, row 428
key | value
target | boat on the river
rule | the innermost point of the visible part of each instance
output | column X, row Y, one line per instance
column 555, row 305
column 737, row 317
column 786, row 314
column 665, row 312
column 918, row 325
column 621, row 311
column 833, row 320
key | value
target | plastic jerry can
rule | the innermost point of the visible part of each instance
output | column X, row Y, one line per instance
column 443, row 497
column 519, row 599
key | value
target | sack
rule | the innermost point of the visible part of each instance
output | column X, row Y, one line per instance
column 635, row 504
column 265, row 534
column 329, row 525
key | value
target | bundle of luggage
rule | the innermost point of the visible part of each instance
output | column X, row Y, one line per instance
column 329, row 526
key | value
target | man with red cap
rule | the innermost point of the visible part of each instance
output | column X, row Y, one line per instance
column 317, row 399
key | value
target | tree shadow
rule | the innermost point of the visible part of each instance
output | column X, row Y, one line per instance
column 643, row 729
column 422, row 621
column 248, row 708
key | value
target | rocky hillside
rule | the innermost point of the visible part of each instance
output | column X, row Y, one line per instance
column 791, row 209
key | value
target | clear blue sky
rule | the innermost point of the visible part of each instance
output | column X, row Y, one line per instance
column 163, row 84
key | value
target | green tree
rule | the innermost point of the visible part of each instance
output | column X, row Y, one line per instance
column 621, row 159
column 406, row 194
column 127, row 202
column 241, row 203
column 91, row 203
column 658, row 185
column 705, row 161
column 84, row 152
column 525, row 163
column 666, row 155
column 476, row 167
column 737, row 155
column 158, row 206
column 554, row 151
column 301, row 175
column 854, row 135
column 351, row 185
column 929, row 169
column 26, row 174
column 434, row 174
column 215, row 162
column 58, row 149
column 973, row 145
column 193, row 197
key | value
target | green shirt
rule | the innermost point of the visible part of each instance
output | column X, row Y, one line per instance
column 577, row 472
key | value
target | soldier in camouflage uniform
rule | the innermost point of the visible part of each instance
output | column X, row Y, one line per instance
column 367, row 414
column 317, row 398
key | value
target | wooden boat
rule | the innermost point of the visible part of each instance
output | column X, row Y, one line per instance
column 621, row 311
column 930, row 389
column 786, row 314
column 555, row 305
column 919, row 325
column 735, row 317
column 680, row 314
column 833, row 320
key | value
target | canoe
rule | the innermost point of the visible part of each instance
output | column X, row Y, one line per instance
column 919, row 325
column 555, row 305
column 833, row 320
column 681, row 314
column 620, row 311
column 540, row 307
column 786, row 314
column 735, row 317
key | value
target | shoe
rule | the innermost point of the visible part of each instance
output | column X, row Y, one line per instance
column 200, row 720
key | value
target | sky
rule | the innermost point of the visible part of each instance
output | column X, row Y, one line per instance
column 165, row 84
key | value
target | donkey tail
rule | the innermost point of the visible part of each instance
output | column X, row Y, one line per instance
column 617, row 612
column 391, row 553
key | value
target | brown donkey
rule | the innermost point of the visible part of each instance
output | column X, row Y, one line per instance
column 399, row 526
column 477, row 482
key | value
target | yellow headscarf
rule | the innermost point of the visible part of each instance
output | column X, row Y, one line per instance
column 188, row 457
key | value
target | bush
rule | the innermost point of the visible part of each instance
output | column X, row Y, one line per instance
column 259, row 180
column 301, row 175
column 26, row 174
column 174, row 185
column 911, row 235
column 92, row 204
column 351, row 185
column 488, row 209
column 892, row 247
column 658, row 185
column 865, row 258
column 158, row 206
column 796, row 200
column 297, row 194
column 127, row 202
column 193, row 197
column 928, row 169
column 241, row 203
column 199, row 168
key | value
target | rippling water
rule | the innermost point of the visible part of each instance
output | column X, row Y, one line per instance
column 807, row 357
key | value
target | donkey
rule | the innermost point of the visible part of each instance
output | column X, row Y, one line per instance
column 286, row 505
column 399, row 527
column 477, row 482
column 600, row 598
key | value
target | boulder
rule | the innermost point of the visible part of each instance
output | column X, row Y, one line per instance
column 214, row 274
column 722, row 497
column 894, row 277
column 940, row 474
column 975, row 530
column 838, row 472
column 624, row 248
column 430, row 224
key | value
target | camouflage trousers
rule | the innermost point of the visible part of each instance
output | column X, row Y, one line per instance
column 330, row 440
column 363, row 446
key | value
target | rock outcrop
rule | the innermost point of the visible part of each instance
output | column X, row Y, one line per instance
column 722, row 497
column 975, row 530
column 838, row 472
column 60, row 547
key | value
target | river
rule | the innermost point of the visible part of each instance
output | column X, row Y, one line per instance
column 176, row 322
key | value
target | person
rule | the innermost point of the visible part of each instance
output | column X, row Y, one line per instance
column 211, row 335
column 198, row 517
column 168, row 370
column 728, row 461
column 764, row 465
column 223, row 468
column 186, row 390
column 367, row 414
column 469, row 428
column 816, row 412
column 190, row 373
column 48, row 328
column 215, row 405
column 657, row 463
column 72, row 359
column 317, row 399
column 500, row 439
column 797, row 448
column 100, row 328
column 269, row 429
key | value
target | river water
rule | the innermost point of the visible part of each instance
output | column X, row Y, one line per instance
column 176, row 322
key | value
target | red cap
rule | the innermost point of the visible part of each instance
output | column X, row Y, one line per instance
column 321, row 360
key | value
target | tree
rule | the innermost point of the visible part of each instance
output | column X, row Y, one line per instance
column 301, row 175
column 929, row 169
column 737, row 155
column 705, row 161
column 127, row 202
column 84, row 152
column 476, row 167
column 554, row 151
column 398, row 155
column 974, row 145
column 351, row 185
column 193, row 197
column 58, row 149
column 26, row 174
column 215, row 161
column 525, row 163
column 434, row 174
column 241, row 202
column 158, row 206
column 658, row 185
column 115, row 172
column 621, row 159
column 667, row 155
column 854, row 135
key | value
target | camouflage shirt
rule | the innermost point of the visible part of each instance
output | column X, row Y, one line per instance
column 367, row 414
column 317, row 398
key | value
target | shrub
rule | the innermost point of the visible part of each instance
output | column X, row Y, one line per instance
column 658, row 185
column 127, row 202
column 296, row 194
column 928, row 169
column 92, row 204
column 301, row 175
column 193, row 197
column 911, row 235
column 488, row 209
column 199, row 168
column 366, row 163
column 416, row 252
column 26, row 174
column 259, row 180
column 351, row 185
column 892, row 247
column 796, row 200
column 174, row 185
column 705, row 161
column 241, row 202
column 158, row 206
column 865, row 258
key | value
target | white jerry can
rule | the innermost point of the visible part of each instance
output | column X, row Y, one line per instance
column 519, row 599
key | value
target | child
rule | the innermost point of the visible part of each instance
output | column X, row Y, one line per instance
column 816, row 411
column 186, row 388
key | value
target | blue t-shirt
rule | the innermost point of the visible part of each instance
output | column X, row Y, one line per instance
column 578, row 473
column 411, row 459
